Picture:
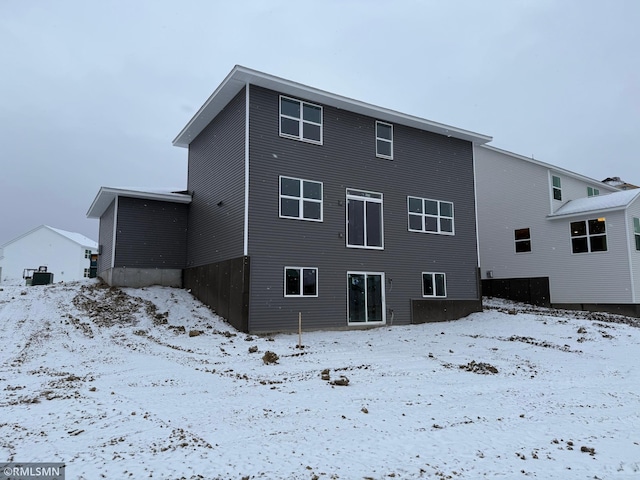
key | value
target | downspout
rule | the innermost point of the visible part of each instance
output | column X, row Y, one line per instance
column 115, row 231
column 475, row 208
column 246, row 171
column 626, row 234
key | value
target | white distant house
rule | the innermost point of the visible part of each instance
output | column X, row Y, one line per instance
column 554, row 237
column 65, row 254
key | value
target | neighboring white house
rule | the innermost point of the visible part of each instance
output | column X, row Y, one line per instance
column 65, row 254
column 537, row 221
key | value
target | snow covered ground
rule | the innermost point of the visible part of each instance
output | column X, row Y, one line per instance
column 148, row 383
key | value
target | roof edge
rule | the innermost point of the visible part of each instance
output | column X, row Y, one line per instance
column 106, row 195
column 241, row 76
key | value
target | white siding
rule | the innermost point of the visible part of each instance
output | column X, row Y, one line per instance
column 44, row 247
column 599, row 277
column 514, row 193
column 634, row 261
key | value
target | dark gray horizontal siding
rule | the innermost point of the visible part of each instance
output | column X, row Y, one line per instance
column 216, row 176
column 151, row 234
column 425, row 165
column 105, row 238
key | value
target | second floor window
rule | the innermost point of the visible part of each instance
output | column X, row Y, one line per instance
column 384, row 140
column 636, row 230
column 301, row 199
column 364, row 219
column 523, row 240
column 592, row 192
column 430, row 216
column 300, row 120
column 589, row 236
column 557, row 187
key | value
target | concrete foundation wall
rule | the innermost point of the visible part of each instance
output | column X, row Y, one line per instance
column 142, row 277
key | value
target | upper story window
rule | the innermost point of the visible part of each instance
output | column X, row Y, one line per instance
column 636, row 231
column 434, row 284
column 430, row 216
column 364, row 219
column 589, row 236
column 300, row 120
column 523, row 240
column 301, row 199
column 300, row 282
column 384, row 140
column 557, row 187
column 87, row 254
column 592, row 192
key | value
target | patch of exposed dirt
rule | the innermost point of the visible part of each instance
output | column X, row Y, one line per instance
column 555, row 312
column 479, row 367
column 538, row 343
column 110, row 306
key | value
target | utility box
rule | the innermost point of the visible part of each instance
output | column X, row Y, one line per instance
column 41, row 277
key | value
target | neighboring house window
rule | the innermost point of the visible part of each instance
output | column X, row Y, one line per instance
column 636, row 230
column 523, row 240
column 430, row 216
column 592, row 192
column 557, row 188
column 384, row 140
column 434, row 284
column 364, row 219
column 589, row 236
column 300, row 120
column 300, row 282
column 300, row 199
column 87, row 254
column 87, row 273
column 365, row 292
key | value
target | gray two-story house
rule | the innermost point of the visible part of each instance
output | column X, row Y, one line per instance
column 304, row 202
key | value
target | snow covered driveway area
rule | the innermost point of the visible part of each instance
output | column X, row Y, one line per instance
column 148, row 383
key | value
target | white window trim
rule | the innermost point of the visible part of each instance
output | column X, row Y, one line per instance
column 438, row 217
column 301, row 121
column 301, row 199
column 593, row 192
column 515, row 242
column 366, row 199
column 384, row 303
column 300, row 269
column 635, row 234
column 588, row 236
column 553, row 187
column 433, row 274
column 380, row 155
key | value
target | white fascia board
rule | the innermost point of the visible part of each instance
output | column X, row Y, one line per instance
column 241, row 76
column 106, row 195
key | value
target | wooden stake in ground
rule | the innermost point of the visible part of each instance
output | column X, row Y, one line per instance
column 299, row 329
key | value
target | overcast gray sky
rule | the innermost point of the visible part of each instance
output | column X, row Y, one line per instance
column 93, row 93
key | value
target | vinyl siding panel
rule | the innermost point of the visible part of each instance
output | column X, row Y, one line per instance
column 216, row 176
column 425, row 165
column 105, row 238
column 634, row 260
column 151, row 234
column 514, row 194
column 599, row 277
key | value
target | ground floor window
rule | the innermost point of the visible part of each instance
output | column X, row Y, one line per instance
column 365, row 292
column 589, row 236
column 523, row 240
column 87, row 273
column 300, row 282
column 434, row 284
